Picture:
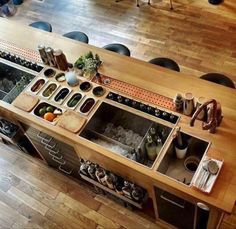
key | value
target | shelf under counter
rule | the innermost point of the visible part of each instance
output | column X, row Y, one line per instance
column 136, row 204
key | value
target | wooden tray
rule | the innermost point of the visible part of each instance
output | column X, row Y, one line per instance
column 71, row 121
column 25, row 101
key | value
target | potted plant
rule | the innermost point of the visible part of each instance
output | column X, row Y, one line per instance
column 88, row 64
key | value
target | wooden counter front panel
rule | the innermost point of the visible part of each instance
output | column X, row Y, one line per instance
column 56, row 153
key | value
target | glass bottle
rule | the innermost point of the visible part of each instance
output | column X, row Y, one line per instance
column 153, row 134
column 141, row 155
column 151, row 148
column 99, row 173
column 83, row 167
column 159, row 145
column 91, row 171
column 119, row 184
column 132, row 155
column 137, row 193
column 103, row 179
column 111, row 180
column 127, row 189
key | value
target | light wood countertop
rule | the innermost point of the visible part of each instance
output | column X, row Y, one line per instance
column 152, row 78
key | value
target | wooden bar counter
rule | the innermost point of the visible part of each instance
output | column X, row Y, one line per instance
column 156, row 80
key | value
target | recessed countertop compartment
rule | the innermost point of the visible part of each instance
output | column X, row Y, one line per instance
column 123, row 132
column 13, row 81
column 183, row 170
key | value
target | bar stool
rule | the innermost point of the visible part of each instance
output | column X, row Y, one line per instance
column 42, row 25
column 118, row 48
column 219, row 79
column 78, row 36
column 166, row 63
column 214, row 2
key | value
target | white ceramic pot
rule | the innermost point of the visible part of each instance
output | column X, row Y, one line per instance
column 180, row 153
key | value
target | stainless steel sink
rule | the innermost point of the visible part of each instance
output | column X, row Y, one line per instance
column 123, row 132
column 12, row 82
column 183, row 170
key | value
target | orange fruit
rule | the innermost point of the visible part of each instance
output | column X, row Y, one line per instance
column 49, row 116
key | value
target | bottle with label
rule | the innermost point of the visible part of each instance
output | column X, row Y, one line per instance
column 151, row 148
column 119, row 184
column 103, row 180
column 137, row 193
column 83, row 167
column 99, row 173
column 111, row 180
column 91, row 171
column 127, row 189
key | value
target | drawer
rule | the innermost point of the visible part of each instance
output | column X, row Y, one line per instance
column 69, row 169
column 175, row 210
column 48, row 158
column 38, row 136
column 56, row 153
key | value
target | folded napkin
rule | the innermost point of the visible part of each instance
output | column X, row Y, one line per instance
column 200, row 177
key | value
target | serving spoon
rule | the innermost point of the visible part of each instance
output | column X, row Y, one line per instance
column 204, row 173
column 212, row 169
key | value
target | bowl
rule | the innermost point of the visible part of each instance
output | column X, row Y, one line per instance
column 191, row 163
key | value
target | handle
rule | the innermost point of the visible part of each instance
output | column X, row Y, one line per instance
column 44, row 141
column 47, row 147
column 64, row 171
column 172, row 202
column 55, row 159
column 49, row 142
column 43, row 138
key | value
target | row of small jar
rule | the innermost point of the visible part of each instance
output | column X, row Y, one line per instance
column 112, row 181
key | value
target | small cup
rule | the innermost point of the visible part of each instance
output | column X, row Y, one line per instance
column 180, row 153
column 202, row 114
column 188, row 103
column 191, row 163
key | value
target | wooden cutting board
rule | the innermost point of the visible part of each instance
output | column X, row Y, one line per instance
column 25, row 101
column 71, row 121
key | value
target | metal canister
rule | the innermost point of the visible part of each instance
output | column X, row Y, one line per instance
column 50, row 55
column 60, row 59
column 43, row 55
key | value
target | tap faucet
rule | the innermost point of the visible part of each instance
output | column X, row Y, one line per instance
column 214, row 115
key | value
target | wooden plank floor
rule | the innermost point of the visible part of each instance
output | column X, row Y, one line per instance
column 199, row 36
column 33, row 195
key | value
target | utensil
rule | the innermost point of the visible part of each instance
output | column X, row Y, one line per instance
column 213, row 169
column 205, row 170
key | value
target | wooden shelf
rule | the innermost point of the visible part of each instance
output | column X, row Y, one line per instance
column 138, row 205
